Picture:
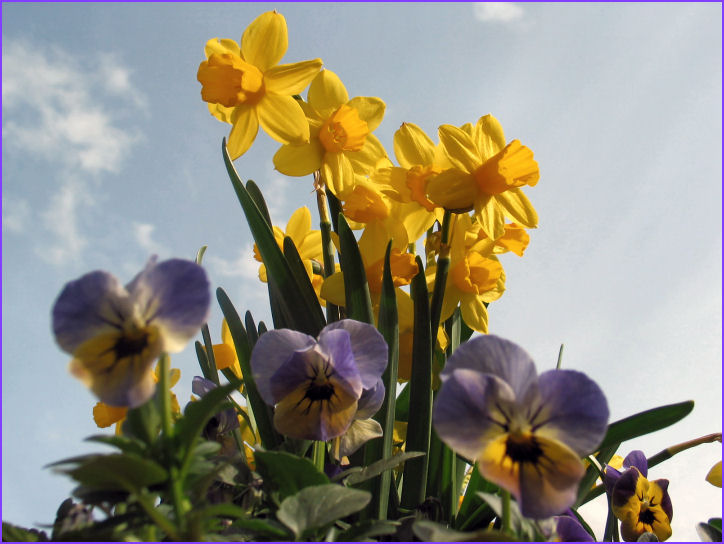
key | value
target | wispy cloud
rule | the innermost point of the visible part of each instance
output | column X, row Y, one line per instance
column 243, row 266
column 501, row 12
column 16, row 213
column 143, row 234
column 67, row 110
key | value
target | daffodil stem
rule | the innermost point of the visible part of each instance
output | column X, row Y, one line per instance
column 443, row 264
column 506, row 512
column 319, row 452
column 325, row 227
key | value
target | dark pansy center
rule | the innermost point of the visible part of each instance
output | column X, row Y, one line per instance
column 322, row 391
column 132, row 342
column 647, row 517
column 523, row 448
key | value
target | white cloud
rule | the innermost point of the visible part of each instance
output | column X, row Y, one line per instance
column 16, row 213
column 503, row 12
column 61, row 220
column 54, row 106
column 244, row 266
column 143, row 233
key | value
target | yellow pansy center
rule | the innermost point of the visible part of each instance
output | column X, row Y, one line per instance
column 227, row 80
column 476, row 274
column 364, row 205
column 133, row 344
column 402, row 266
column 513, row 166
column 343, row 131
column 417, row 177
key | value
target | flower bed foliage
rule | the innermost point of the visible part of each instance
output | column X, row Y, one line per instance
column 370, row 409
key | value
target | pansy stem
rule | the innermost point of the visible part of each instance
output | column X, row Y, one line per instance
column 506, row 512
column 319, row 452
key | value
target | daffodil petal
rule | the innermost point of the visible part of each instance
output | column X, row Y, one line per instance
column 459, row 148
column 370, row 108
column 453, row 189
column 105, row 415
column 488, row 136
column 265, row 40
column 299, row 160
column 474, row 313
column 283, row 119
column 365, row 160
column 243, row 133
column 517, row 206
column 291, row 79
column 338, row 174
column 333, row 289
column 222, row 113
column 299, row 224
column 413, row 147
column 215, row 45
column 327, row 93
column 489, row 213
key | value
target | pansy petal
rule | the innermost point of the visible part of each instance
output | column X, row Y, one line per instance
column 243, row 132
column 92, row 304
column 370, row 108
column 491, row 354
column 626, row 492
column 283, row 119
column 291, row 79
column 550, row 486
column 637, row 459
column 370, row 401
column 359, row 432
column 327, row 93
column 572, row 409
column 570, row 530
column 299, row 160
column 299, row 417
column 413, row 147
column 265, row 40
column 337, row 344
column 467, row 400
column 200, row 386
column 174, row 295
column 272, row 350
column 368, row 347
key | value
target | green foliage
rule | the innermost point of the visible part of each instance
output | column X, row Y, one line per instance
column 285, row 474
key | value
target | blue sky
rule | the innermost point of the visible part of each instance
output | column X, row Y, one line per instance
column 109, row 156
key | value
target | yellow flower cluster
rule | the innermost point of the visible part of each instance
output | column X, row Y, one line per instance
column 473, row 175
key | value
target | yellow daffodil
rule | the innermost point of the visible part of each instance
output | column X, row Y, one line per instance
column 486, row 177
column 225, row 353
column 714, row 475
column 341, row 144
column 106, row 415
column 475, row 277
column 307, row 241
column 246, row 87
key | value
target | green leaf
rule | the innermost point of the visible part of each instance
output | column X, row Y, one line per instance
column 363, row 531
column 13, row 533
column 709, row 532
column 268, row 528
column 429, row 531
column 474, row 512
column 380, row 466
column 285, row 474
column 646, row 422
column 318, row 506
column 261, row 411
column 419, row 427
column 126, row 444
column 144, row 422
column 589, row 478
column 197, row 415
column 356, row 290
column 117, row 471
column 402, row 404
column 251, row 331
column 306, row 290
column 258, row 198
column 304, row 318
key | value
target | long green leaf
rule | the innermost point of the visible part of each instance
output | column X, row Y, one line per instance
column 356, row 291
column 419, row 424
column 261, row 411
column 258, row 198
column 306, row 290
column 387, row 324
column 646, row 422
column 303, row 317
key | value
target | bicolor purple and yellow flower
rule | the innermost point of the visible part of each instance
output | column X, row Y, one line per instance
column 247, row 87
column 317, row 386
column 116, row 333
column 527, row 432
column 105, row 415
column 486, row 176
column 341, row 145
column 643, row 506
column 225, row 353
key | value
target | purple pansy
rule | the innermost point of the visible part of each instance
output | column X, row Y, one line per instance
column 569, row 529
column 319, row 387
column 643, row 506
column 223, row 421
column 116, row 333
column 526, row 432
